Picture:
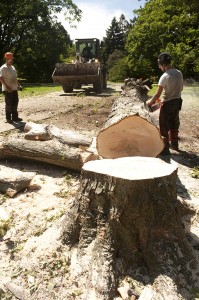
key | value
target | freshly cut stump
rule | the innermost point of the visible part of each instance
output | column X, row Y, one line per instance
column 125, row 223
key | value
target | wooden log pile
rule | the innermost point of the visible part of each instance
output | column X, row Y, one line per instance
column 48, row 144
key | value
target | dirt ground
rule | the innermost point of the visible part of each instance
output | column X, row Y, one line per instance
column 31, row 257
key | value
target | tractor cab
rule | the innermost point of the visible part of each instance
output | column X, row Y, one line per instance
column 87, row 49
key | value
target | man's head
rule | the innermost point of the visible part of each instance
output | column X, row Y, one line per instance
column 164, row 59
column 8, row 55
column 9, row 58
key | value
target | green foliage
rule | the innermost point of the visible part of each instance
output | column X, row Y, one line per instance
column 118, row 68
column 30, row 30
column 113, row 49
column 164, row 25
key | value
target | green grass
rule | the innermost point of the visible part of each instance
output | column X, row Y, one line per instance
column 153, row 90
column 36, row 90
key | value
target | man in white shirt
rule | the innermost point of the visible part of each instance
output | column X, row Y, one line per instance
column 171, row 85
column 10, row 87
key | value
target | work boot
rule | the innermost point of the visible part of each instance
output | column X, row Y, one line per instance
column 15, row 117
column 174, row 145
column 165, row 151
column 173, row 137
column 9, row 121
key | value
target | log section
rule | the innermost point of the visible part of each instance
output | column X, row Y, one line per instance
column 52, row 152
column 129, row 130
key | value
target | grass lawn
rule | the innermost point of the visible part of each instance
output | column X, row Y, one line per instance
column 35, row 90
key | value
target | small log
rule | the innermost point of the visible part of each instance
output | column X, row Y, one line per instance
column 51, row 152
column 14, row 181
column 125, row 220
column 43, row 132
column 129, row 130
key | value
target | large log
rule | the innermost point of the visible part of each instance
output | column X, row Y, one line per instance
column 124, row 223
column 51, row 151
column 129, row 128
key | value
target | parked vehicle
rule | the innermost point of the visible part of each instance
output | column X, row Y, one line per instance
column 85, row 69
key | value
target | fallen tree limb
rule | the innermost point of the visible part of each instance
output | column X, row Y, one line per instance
column 43, row 132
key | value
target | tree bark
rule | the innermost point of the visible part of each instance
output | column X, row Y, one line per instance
column 43, row 132
column 51, row 151
column 14, row 181
column 129, row 128
column 124, row 223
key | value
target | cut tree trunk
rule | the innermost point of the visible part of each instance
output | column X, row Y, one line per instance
column 124, row 223
column 129, row 128
column 51, row 151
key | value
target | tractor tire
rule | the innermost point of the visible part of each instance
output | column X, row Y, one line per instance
column 104, row 79
column 98, row 85
column 77, row 85
column 67, row 87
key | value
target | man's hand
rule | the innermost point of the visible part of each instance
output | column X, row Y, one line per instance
column 149, row 102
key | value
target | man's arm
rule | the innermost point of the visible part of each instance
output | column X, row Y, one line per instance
column 4, row 83
column 155, row 96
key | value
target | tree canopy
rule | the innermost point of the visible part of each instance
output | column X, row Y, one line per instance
column 30, row 30
column 164, row 25
column 113, row 51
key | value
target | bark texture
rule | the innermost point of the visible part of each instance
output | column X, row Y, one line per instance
column 51, row 151
column 14, row 181
column 124, row 223
column 45, row 132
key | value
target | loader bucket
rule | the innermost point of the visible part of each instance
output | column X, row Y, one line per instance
column 83, row 72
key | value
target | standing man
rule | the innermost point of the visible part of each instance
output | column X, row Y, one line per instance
column 171, row 84
column 10, row 87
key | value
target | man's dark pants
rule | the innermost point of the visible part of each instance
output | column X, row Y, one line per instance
column 11, row 105
column 169, row 121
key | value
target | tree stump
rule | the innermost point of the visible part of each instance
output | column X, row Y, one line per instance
column 124, row 223
column 129, row 128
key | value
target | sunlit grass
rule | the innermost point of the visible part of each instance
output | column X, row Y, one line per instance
column 38, row 90
column 35, row 90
